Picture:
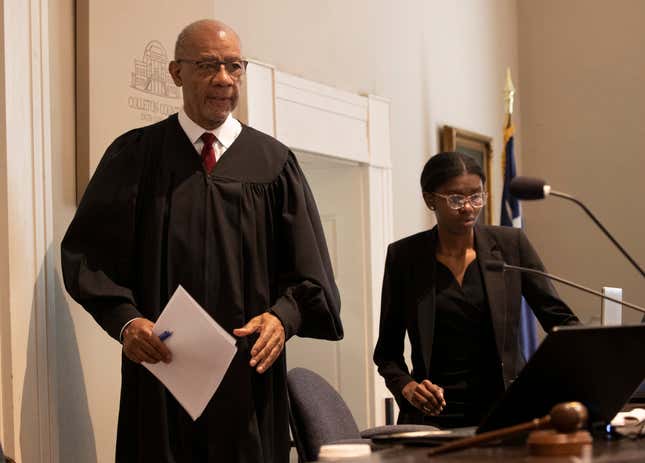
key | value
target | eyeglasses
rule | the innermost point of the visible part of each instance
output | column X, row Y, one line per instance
column 210, row 67
column 456, row 202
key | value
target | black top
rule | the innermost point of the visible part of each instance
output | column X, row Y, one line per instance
column 242, row 241
column 464, row 358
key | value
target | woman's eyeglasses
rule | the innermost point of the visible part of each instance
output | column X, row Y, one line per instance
column 456, row 201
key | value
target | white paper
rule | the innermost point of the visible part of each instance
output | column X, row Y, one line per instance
column 631, row 418
column 201, row 353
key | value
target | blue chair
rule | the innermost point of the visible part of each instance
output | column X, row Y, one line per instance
column 318, row 415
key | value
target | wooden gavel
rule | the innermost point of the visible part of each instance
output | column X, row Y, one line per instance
column 566, row 418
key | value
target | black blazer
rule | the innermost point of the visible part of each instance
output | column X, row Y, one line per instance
column 408, row 303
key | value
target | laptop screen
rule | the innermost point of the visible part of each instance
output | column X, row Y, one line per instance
column 600, row 366
column 639, row 395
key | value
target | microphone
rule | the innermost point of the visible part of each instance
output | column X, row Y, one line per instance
column 500, row 266
column 530, row 189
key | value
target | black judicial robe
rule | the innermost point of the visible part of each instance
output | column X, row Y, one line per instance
column 243, row 240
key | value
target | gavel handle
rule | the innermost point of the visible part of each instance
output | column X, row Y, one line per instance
column 466, row 442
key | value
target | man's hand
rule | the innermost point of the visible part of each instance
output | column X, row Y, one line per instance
column 140, row 344
column 270, row 341
column 425, row 396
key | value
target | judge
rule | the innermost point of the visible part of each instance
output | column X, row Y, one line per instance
column 202, row 201
column 462, row 320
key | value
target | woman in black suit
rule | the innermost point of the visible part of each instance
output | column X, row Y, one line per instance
column 462, row 320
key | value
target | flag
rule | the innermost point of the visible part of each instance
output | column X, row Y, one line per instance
column 512, row 217
column 511, row 210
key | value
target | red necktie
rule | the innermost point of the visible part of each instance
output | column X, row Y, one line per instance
column 208, row 152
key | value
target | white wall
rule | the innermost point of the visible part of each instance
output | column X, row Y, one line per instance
column 582, row 74
column 436, row 61
column 26, row 304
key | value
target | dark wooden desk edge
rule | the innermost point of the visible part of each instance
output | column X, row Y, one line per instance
column 613, row 451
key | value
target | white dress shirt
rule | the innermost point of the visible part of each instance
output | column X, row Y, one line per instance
column 225, row 134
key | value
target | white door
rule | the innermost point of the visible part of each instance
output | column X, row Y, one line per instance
column 340, row 191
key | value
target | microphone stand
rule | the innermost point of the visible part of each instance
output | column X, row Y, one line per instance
column 506, row 266
column 605, row 231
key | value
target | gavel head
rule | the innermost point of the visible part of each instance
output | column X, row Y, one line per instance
column 568, row 417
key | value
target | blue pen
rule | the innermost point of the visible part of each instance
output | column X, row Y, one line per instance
column 165, row 335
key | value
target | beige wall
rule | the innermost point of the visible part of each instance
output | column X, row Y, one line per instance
column 6, row 409
column 88, row 360
column 582, row 70
column 438, row 63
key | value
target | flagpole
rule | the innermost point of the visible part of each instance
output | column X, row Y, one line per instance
column 509, row 97
column 528, row 323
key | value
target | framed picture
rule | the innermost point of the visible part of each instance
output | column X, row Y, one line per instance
column 479, row 147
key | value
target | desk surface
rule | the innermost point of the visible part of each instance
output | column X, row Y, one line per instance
column 617, row 451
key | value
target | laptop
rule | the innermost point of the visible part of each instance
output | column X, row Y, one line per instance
column 639, row 395
column 600, row 366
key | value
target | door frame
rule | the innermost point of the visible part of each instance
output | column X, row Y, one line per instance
column 302, row 114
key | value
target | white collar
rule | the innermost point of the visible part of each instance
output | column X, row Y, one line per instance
column 226, row 133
